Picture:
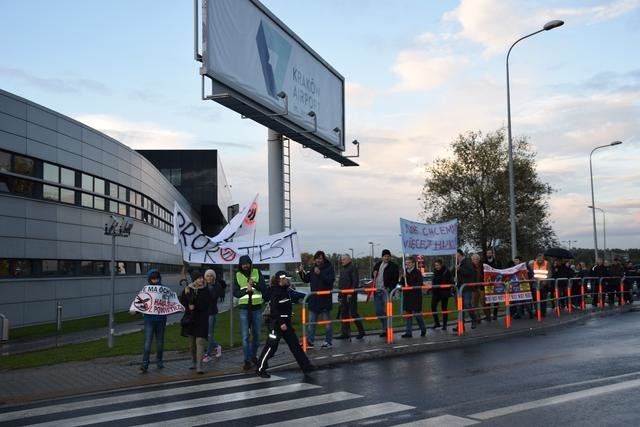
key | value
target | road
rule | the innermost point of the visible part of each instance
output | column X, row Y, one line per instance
column 586, row 374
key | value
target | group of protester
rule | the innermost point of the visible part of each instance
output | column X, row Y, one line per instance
column 201, row 295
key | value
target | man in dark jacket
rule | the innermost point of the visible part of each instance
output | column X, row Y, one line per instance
column 349, row 301
column 385, row 276
column 600, row 270
column 248, row 288
column 440, row 292
column 320, row 278
column 280, row 327
column 412, row 299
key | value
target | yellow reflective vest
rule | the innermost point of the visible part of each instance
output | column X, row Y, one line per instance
column 540, row 272
column 242, row 280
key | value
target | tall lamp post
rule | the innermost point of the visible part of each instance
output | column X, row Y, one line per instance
column 117, row 227
column 604, row 231
column 351, row 249
column 371, row 261
column 512, row 197
column 593, row 202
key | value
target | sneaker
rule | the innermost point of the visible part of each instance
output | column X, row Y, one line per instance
column 218, row 351
column 444, row 328
column 423, row 333
column 144, row 369
column 310, row 344
column 263, row 374
column 382, row 335
column 160, row 365
column 206, row 358
column 326, row 345
column 247, row 365
column 360, row 336
column 405, row 336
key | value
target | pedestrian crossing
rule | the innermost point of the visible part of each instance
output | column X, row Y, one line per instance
column 243, row 401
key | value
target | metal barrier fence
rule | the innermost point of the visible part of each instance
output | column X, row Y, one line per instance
column 560, row 293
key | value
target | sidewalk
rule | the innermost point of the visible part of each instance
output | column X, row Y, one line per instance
column 24, row 385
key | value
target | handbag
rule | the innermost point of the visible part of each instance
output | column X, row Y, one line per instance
column 187, row 320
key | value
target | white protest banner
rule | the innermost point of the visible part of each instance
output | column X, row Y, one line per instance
column 156, row 299
column 279, row 248
column 198, row 248
column 244, row 223
column 516, row 278
column 429, row 239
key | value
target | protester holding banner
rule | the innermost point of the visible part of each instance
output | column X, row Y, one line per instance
column 248, row 288
column 412, row 299
column 439, row 294
column 385, row 276
column 154, row 301
column 215, row 290
column 196, row 298
column 492, row 262
column 320, row 278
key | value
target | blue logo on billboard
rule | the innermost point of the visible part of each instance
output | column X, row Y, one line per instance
column 274, row 51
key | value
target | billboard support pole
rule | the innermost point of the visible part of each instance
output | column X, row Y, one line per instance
column 275, row 151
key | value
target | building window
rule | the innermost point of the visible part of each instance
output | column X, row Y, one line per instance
column 98, row 185
column 113, row 190
column 98, row 203
column 87, row 182
column 86, row 200
column 122, row 193
column 68, row 196
column 51, row 172
column 5, row 161
column 67, row 177
column 50, row 192
column 122, row 209
column 19, row 186
column 113, row 206
column 67, row 268
column 15, row 267
column 49, row 267
column 23, row 165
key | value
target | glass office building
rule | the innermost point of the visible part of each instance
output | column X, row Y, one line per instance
column 59, row 182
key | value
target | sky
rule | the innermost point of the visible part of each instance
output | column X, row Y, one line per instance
column 418, row 73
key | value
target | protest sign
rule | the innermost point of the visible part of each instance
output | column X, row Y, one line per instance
column 156, row 299
column 515, row 278
column 429, row 239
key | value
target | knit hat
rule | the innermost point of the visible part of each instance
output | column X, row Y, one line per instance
column 244, row 259
column 281, row 274
column 386, row 252
column 195, row 275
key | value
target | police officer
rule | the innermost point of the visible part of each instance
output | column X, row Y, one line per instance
column 280, row 327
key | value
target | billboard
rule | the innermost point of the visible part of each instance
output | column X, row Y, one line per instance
column 251, row 52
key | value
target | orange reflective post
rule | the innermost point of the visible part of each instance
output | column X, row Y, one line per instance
column 622, row 297
column 507, row 303
column 389, row 321
column 304, row 324
column 460, row 316
column 600, row 295
column 555, row 291
column 582, row 304
column 538, row 303
column 569, row 296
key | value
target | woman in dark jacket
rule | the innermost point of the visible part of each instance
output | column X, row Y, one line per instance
column 412, row 299
column 440, row 295
column 195, row 298
column 320, row 278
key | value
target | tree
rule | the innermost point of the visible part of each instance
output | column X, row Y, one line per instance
column 472, row 186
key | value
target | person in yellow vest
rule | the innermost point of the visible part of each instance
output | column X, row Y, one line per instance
column 248, row 288
column 540, row 268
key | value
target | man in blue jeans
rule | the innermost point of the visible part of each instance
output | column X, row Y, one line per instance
column 154, row 325
column 385, row 276
column 248, row 288
column 320, row 278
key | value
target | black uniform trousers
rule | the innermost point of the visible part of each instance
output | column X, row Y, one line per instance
column 440, row 296
column 271, row 346
column 349, row 310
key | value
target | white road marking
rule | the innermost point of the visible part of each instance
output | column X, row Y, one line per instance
column 555, row 400
column 441, row 421
column 345, row 416
column 131, row 397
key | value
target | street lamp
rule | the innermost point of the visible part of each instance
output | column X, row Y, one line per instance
column 117, row 227
column 593, row 202
column 371, row 261
column 512, row 198
column 351, row 249
column 604, row 231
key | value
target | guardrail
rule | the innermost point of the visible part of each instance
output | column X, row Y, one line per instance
column 551, row 291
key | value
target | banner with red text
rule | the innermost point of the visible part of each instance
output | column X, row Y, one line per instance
column 156, row 299
column 515, row 278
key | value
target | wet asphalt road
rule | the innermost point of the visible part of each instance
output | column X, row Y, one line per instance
column 584, row 357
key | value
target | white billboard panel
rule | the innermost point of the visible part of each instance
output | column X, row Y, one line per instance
column 249, row 50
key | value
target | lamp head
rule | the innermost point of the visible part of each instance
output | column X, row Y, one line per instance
column 311, row 114
column 553, row 24
column 616, row 143
column 355, row 142
column 336, row 129
column 282, row 94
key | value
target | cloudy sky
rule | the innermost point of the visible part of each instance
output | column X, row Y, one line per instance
column 418, row 73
